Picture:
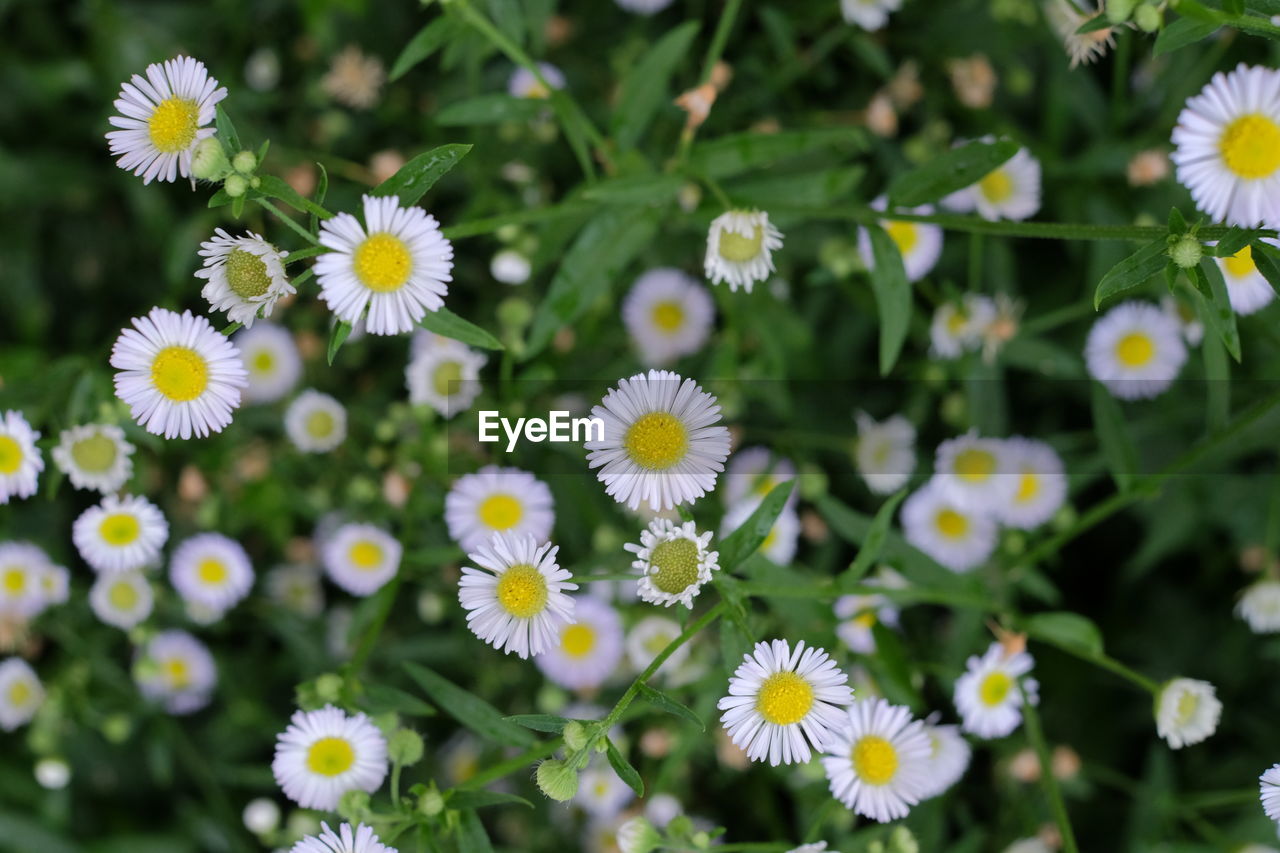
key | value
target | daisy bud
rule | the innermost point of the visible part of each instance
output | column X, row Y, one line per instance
column 404, row 747
column 354, row 805
column 575, row 735
column 1148, row 18
column 638, row 836
column 902, row 841
column 1118, row 11
column 329, row 687
column 235, row 185
column 1186, row 252
column 431, row 803
column 261, row 816
column 209, row 161
column 701, row 840
column 245, row 162
column 557, row 780
column 515, row 313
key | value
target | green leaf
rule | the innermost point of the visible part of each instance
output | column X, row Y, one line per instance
column 489, row 109
column 1113, row 435
column 1134, row 271
column 873, row 542
column 1233, row 7
column 750, row 535
column 482, row 799
column 1182, row 32
column 469, row 709
column 1221, row 317
column 1097, row 22
column 892, row 667
column 420, row 174
column 638, row 189
column 429, row 39
column 1194, row 9
column 337, row 337
column 1267, row 259
column 219, row 199
column 807, row 189
column 893, row 296
column 1069, row 631
column 539, row 722
column 322, row 189
column 273, row 187
column 237, row 205
column 226, row 130
column 956, row 169
column 383, row 698
column 645, row 88
column 747, row 152
column 450, row 325
column 1217, row 374
column 1235, row 240
column 1177, row 222
column 663, row 702
column 623, row 768
column 472, row 836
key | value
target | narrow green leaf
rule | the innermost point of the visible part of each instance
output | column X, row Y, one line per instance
column 469, row 709
column 482, row 799
column 1194, row 9
column 472, row 836
column 219, row 199
column 1134, row 271
column 1221, row 316
column 1235, row 240
column 646, row 86
column 274, row 187
column 639, row 189
column 663, row 702
column 1113, row 436
column 489, row 109
column 322, row 190
column 450, row 325
column 226, row 130
column 539, row 722
column 237, row 205
column 1182, row 32
column 231, row 329
column 893, row 296
column 1069, row 631
column 1267, row 259
column 428, row 40
column 956, row 169
column 873, row 542
column 807, row 189
column 1177, row 222
column 750, row 535
column 383, row 698
column 420, row 174
column 746, row 152
column 1233, row 7
column 1217, row 374
column 625, row 771
column 337, row 337
column 1097, row 22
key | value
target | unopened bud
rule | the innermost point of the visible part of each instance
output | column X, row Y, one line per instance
column 638, row 836
column 354, row 805
column 575, row 735
column 245, row 162
column 235, row 185
column 431, row 803
column 209, row 161
column 1148, row 18
column 902, row 841
column 329, row 687
column 1118, row 11
column 1186, row 252
column 404, row 747
column 557, row 780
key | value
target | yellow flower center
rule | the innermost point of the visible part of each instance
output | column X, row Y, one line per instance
column 904, row 234
column 770, row 538
column 974, row 465
column 180, row 373
column 784, row 698
column 874, row 760
column 577, row 640
column 120, row 529
column 320, row 424
column 656, row 441
column 952, row 524
column 212, row 572
column 996, row 187
column 177, row 672
column 10, row 455
column 15, row 580
column 865, row 619
column 94, row 454
column 330, row 756
column 247, row 274
column 537, row 90
column 123, row 596
column 675, row 565
column 668, row 316
column 20, row 693
column 1028, row 487
column 1250, row 146
column 737, row 249
column 657, row 642
column 365, row 555
column 446, row 378
column 522, row 591
column 995, row 688
column 263, row 361
column 1188, row 702
column 383, row 263
column 1241, row 263
column 1135, row 349
column 957, row 321
column 500, row 512
column 173, row 124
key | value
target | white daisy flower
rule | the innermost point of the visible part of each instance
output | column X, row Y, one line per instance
column 20, row 459
column 55, row 585
column 95, row 456
column 858, row 614
column 361, row 839
column 601, row 794
column 1010, row 191
column 1247, row 289
column 585, row 653
column 643, row 7
column 315, row 422
column 271, row 360
column 445, row 377
column 397, row 264
column 1227, row 147
column 211, row 571
column 886, row 452
column 878, row 762
column 674, row 561
column 647, row 639
column 987, row 695
column 361, row 558
column 871, row 15
column 1041, row 483
column 515, row 601
column 782, row 701
column 326, row 753
column 177, row 671
column 163, row 116
column 22, row 570
column 120, row 534
column 780, row 543
column 949, row 757
column 509, row 266
column 954, row 536
column 1269, row 792
column 21, row 693
column 1187, row 711
column 498, row 500
column 975, row 473
column 1178, row 309
column 1135, row 350
column 663, row 444
column 298, row 588
column 121, row 599
column 245, row 276
column 753, row 472
column 1260, row 606
column 524, row 84
column 178, row 375
column 919, row 243
column 668, row 315
column 958, row 328
column 740, row 246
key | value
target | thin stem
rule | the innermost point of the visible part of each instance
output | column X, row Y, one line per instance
column 303, row 277
column 1036, row 735
column 370, row 637
column 720, row 38
column 303, row 254
column 287, row 220
column 395, row 784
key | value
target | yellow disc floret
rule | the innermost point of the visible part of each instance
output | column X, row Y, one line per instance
column 1135, row 349
column 577, row 640
column 974, row 465
column 330, row 756
column 737, row 248
column 1250, row 146
column 95, row 453
column 382, row 262
column 996, row 187
column 180, row 373
column 247, row 274
column 995, row 688
column 120, row 529
column 522, row 591
column 365, row 555
column 952, row 524
column 874, row 760
column 668, row 316
column 675, row 565
column 10, row 455
column 173, row 124
column 500, row 512
column 656, row 441
column 784, row 698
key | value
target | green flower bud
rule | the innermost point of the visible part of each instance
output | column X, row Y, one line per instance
column 514, row 313
column 117, row 728
column 245, row 162
column 353, row 806
column 902, row 841
column 1118, row 11
column 404, row 747
column 680, row 826
column 431, row 803
column 701, row 840
column 1148, row 18
column 638, row 836
column 557, row 780
column 236, row 186
column 1186, row 252
column 575, row 735
column 255, row 182
column 329, row 687
column 209, row 161
column 813, row 482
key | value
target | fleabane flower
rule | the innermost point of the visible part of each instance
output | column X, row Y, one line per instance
column 955, row 536
column 296, row 587
column 1009, row 191
column 121, row 599
column 361, row 558
column 1187, row 711
column 498, row 500
column 398, row 265
column 637, row 834
column 315, row 422
column 674, row 561
column 949, row 755
column 515, row 600
column 211, row 572
column 919, row 243
column 663, row 442
column 324, row 754
column 740, row 246
column 1135, row 350
column 1269, row 792
column 178, row 375
column 176, row 670
column 782, row 701
column 21, row 693
column 163, row 116
column 960, row 327
column 987, row 695
column 1041, row 483
column 871, row 15
column 120, row 534
column 859, row 614
column 95, row 456
column 245, row 276
column 22, row 571
column 754, row 472
column 975, row 473
column 1227, row 147
column 360, row 839
column 445, row 376
column 668, row 315
column 1259, row 606
column 885, row 453
column 1247, row 289
column 523, row 83
column 271, row 360
column 587, row 651
column 20, row 459
column 877, row 763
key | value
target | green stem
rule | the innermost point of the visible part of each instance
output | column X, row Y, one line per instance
column 1036, row 735
column 511, row 765
column 370, row 637
column 303, row 277
column 288, row 221
column 720, row 38
column 524, row 217
column 395, row 784
column 303, row 254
